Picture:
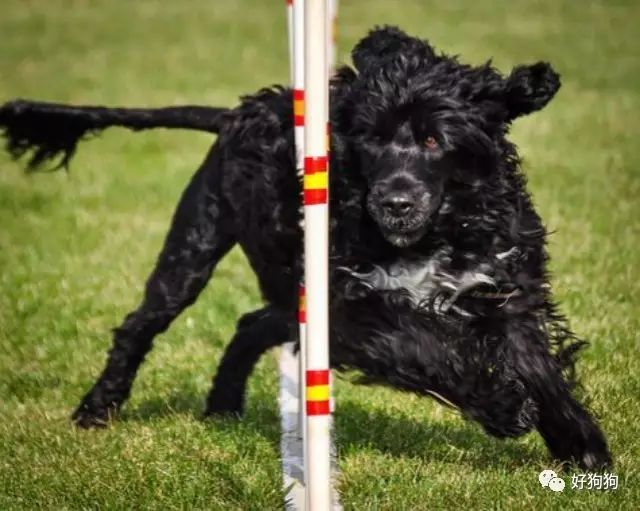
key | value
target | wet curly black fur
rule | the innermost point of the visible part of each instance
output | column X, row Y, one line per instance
column 438, row 261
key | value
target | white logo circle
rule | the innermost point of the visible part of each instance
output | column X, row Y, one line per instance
column 556, row 484
column 546, row 476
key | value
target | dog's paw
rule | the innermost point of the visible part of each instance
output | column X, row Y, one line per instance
column 88, row 417
column 224, row 402
column 595, row 456
column 594, row 461
column 587, row 450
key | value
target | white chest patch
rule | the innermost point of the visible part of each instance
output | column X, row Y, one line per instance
column 418, row 278
column 424, row 279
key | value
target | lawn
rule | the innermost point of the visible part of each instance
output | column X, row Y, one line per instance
column 75, row 250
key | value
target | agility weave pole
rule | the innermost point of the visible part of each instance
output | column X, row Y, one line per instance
column 305, row 403
column 291, row 364
column 317, row 439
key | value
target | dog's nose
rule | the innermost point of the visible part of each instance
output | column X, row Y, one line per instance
column 397, row 204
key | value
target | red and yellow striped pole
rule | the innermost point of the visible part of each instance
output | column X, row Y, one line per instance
column 292, row 369
column 316, row 257
column 311, row 47
column 298, row 134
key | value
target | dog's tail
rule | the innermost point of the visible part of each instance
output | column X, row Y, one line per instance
column 50, row 130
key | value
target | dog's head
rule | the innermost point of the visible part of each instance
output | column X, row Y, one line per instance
column 422, row 126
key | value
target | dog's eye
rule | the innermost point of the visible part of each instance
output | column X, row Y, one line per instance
column 431, row 143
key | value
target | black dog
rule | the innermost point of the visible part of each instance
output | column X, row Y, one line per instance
column 438, row 261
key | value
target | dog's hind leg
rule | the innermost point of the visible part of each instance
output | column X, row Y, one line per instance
column 257, row 332
column 200, row 235
column 570, row 432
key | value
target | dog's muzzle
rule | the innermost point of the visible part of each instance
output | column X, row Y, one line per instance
column 401, row 215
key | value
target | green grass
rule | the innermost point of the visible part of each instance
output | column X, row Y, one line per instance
column 75, row 250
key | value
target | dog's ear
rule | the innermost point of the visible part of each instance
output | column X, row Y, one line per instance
column 529, row 88
column 384, row 43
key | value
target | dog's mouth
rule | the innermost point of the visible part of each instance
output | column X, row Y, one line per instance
column 404, row 237
column 398, row 227
column 404, row 231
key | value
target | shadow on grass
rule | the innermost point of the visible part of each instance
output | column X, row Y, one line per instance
column 188, row 402
column 359, row 428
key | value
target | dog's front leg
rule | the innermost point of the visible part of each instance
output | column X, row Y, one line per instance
column 381, row 335
column 568, row 429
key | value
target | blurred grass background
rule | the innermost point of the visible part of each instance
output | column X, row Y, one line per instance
column 75, row 250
